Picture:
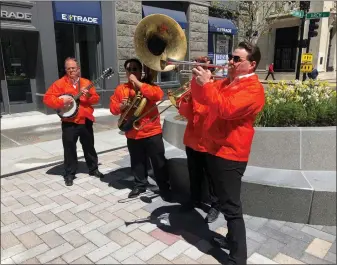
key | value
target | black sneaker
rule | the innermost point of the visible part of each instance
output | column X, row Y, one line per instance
column 135, row 192
column 212, row 215
column 97, row 174
column 221, row 242
column 69, row 180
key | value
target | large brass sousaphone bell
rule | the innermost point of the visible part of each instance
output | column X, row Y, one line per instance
column 157, row 38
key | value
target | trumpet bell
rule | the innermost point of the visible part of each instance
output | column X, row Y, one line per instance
column 175, row 96
column 157, row 38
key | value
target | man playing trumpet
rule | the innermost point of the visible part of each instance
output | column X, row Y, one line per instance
column 228, row 131
column 146, row 143
column 80, row 126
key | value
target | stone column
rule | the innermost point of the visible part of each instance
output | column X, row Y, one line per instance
column 197, row 16
column 128, row 15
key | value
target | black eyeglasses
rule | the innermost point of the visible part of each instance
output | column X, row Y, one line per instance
column 133, row 69
column 235, row 58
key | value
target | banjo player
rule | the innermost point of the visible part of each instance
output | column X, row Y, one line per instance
column 78, row 126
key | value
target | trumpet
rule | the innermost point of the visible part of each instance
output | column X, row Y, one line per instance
column 170, row 61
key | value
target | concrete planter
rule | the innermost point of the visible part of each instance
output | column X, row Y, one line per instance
column 291, row 174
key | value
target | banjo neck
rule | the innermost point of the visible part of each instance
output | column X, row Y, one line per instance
column 79, row 94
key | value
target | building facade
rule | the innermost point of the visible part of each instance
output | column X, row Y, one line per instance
column 37, row 36
column 281, row 42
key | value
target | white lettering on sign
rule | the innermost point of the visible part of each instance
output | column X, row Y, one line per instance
column 224, row 30
column 16, row 15
column 74, row 18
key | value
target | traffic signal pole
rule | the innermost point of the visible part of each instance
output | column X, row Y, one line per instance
column 298, row 68
column 307, row 51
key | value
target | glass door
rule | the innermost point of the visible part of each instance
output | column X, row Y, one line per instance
column 19, row 54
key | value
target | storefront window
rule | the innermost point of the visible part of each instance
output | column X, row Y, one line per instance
column 19, row 50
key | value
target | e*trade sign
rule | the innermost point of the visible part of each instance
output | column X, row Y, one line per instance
column 79, row 19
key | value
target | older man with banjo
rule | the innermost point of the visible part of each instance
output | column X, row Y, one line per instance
column 72, row 97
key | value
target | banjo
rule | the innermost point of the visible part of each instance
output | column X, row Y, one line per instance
column 72, row 109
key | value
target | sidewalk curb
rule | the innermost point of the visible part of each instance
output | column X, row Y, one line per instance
column 56, row 163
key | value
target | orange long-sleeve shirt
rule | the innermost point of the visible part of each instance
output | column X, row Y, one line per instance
column 65, row 86
column 153, row 94
column 228, row 129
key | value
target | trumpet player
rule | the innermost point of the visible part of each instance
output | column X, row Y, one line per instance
column 196, row 152
column 227, row 136
column 146, row 143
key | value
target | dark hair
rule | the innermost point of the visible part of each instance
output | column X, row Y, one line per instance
column 133, row 60
column 254, row 53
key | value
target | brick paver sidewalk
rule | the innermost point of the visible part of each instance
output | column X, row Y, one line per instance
column 43, row 221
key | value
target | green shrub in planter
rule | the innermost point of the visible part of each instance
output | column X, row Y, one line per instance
column 309, row 103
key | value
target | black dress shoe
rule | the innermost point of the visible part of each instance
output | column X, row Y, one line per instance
column 135, row 192
column 221, row 242
column 97, row 174
column 69, row 180
column 212, row 215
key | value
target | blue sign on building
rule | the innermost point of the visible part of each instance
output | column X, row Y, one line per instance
column 81, row 12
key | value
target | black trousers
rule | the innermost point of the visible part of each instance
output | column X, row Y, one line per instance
column 227, row 175
column 272, row 75
column 198, row 173
column 70, row 134
column 141, row 150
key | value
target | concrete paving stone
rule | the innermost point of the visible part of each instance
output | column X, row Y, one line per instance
column 167, row 238
column 27, row 217
column 41, row 193
column 75, row 238
column 28, row 227
column 297, row 226
column 57, row 193
column 256, row 236
column 26, row 200
column 90, row 226
column 208, row 259
column 141, row 213
column 255, row 223
column 63, row 207
column 329, row 229
column 44, row 200
column 67, row 216
column 133, row 260
column 257, row 258
column 252, row 246
column 9, row 201
column 7, row 261
column 148, row 227
column 175, row 250
column 24, row 186
column 127, row 251
column 333, row 248
column 295, row 248
column 318, row 227
column 105, row 216
column 11, row 193
column 86, row 216
column 68, row 227
column 76, row 199
column 111, row 226
column 102, row 206
column 12, row 251
column 78, row 252
column 309, row 259
column 104, row 251
column 49, row 227
column 279, row 236
column 284, row 259
column 30, row 253
column 95, row 199
column 8, row 218
column 199, row 249
column 81, row 207
column 54, row 253
column 57, row 261
column 52, row 239
column 111, row 198
column 23, row 209
column 30, row 239
column 8, row 240
column 318, row 248
column 270, row 248
column 107, row 260
column 31, row 261
column 11, row 208
column 157, row 259
column 125, row 215
column 142, row 237
column 47, row 217
column 330, row 257
column 317, row 233
column 118, row 236
column 126, row 228
column 183, row 259
column 97, row 238
column 297, row 234
column 82, row 260
column 275, row 224
column 151, row 250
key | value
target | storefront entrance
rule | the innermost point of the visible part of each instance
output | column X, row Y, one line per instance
column 18, row 54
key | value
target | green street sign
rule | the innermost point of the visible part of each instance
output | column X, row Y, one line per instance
column 297, row 13
column 318, row 15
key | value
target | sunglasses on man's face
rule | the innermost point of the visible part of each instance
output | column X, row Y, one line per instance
column 235, row 58
column 132, row 69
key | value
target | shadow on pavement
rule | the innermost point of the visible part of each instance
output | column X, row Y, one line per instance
column 59, row 169
column 189, row 225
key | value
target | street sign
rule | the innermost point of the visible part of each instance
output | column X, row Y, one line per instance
column 317, row 15
column 306, row 58
column 297, row 13
column 306, row 68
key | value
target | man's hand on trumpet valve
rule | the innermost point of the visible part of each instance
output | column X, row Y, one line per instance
column 124, row 104
column 202, row 76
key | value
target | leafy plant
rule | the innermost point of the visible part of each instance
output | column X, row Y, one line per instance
column 308, row 103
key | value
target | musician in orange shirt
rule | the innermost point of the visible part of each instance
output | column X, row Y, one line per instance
column 227, row 136
column 80, row 126
column 146, row 143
